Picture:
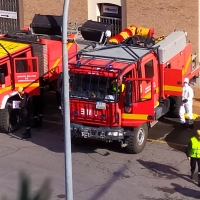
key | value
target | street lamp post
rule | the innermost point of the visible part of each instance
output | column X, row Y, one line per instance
column 66, row 107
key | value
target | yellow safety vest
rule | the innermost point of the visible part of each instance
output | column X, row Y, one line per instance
column 121, row 87
column 195, row 150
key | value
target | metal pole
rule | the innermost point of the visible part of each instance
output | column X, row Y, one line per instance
column 66, row 111
column 20, row 14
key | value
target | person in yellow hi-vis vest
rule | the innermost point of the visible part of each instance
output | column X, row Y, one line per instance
column 193, row 154
column 120, row 87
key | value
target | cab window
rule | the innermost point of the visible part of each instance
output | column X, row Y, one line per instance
column 4, row 69
column 25, row 64
column 149, row 70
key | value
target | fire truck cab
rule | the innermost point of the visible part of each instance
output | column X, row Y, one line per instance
column 117, row 91
column 18, row 68
column 29, row 59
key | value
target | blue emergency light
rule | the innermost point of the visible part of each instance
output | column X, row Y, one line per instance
column 102, row 116
column 75, row 112
column 78, row 63
column 109, row 67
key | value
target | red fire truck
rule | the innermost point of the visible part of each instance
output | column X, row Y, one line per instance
column 26, row 57
column 118, row 91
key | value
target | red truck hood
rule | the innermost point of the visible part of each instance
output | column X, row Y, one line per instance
column 86, row 112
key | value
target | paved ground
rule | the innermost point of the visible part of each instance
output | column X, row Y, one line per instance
column 100, row 171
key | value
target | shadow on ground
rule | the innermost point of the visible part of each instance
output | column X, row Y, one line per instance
column 186, row 191
column 172, row 133
column 52, row 137
column 176, row 188
column 163, row 171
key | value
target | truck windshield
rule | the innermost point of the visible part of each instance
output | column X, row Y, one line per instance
column 94, row 87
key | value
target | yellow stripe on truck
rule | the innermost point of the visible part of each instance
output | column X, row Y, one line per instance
column 186, row 65
column 27, row 85
column 172, row 88
column 5, row 89
column 58, row 60
column 135, row 116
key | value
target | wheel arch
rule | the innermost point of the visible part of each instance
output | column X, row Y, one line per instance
column 7, row 99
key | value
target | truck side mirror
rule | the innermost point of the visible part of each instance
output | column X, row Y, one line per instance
column 2, row 78
column 128, row 94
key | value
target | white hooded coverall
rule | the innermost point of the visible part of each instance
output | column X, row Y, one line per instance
column 187, row 93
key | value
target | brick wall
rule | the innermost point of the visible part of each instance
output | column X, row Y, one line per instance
column 165, row 16
column 77, row 9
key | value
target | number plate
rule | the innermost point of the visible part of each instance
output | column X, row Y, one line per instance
column 100, row 105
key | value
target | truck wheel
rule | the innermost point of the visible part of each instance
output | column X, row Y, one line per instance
column 9, row 122
column 14, row 120
column 137, row 139
column 174, row 106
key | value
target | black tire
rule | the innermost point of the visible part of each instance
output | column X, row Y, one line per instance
column 174, row 106
column 135, row 143
column 7, row 124
column 14, row 120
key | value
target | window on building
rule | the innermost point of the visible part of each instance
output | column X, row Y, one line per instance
column 149, row 70
column 4, row 69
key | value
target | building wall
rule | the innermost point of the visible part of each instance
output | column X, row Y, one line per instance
column 78, row 11
column 164, row 16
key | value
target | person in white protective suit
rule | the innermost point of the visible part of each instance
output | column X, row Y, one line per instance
column 186, row 106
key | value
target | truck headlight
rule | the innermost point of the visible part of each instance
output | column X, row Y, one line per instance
column 108, row 133
column 116, row 133
column 121, row 134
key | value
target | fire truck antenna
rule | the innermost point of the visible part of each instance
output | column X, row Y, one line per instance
column 66, row 110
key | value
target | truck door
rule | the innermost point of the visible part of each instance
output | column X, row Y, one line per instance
column 26, row 74
column 5, row 69
column 136, row 109
column 172, row 82
column 149, row 69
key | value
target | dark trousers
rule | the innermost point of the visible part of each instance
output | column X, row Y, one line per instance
column 193, row 165
column 26, row 118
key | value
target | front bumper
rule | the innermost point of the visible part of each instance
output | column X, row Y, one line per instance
column 103, row 133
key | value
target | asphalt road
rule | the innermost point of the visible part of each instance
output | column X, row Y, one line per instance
column 101, row 171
